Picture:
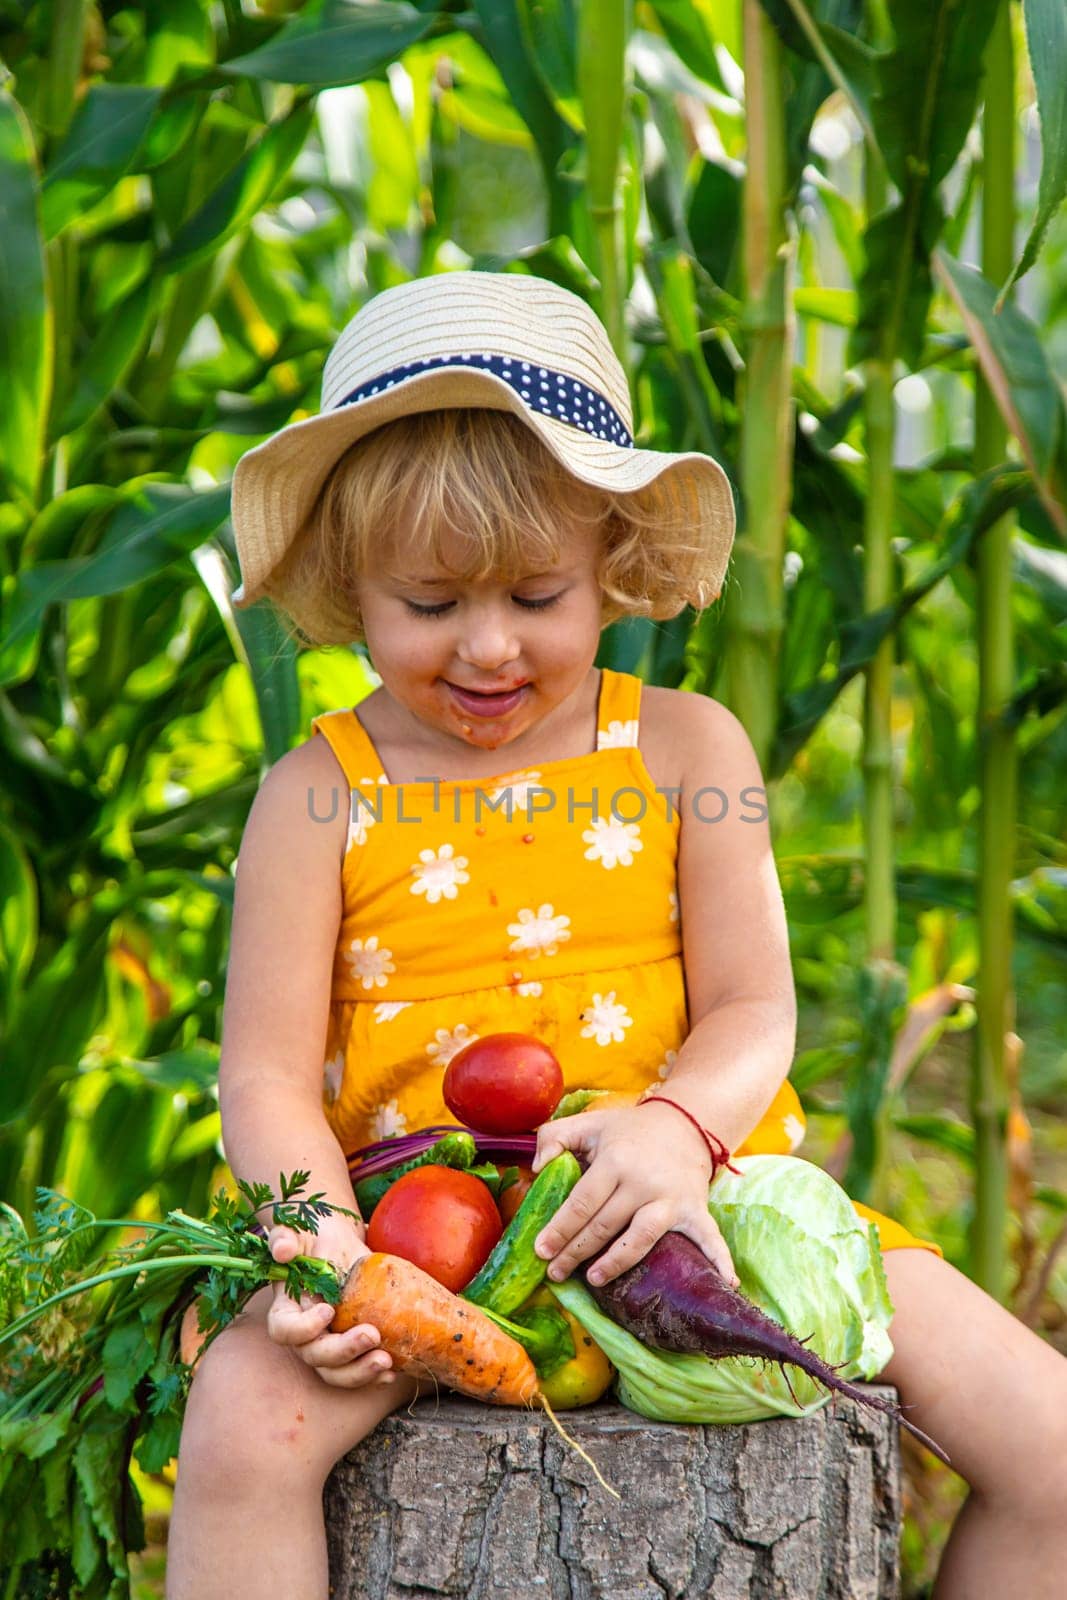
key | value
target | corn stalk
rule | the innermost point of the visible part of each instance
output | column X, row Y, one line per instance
column 880, row 901
column 603, row 29
column 757, row 615
column 997, row 754
column 877, row 762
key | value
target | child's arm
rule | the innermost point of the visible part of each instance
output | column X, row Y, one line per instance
column 739, row 979
column 287, row 910
column 647, row 1167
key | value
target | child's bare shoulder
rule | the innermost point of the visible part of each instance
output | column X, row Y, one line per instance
column 706, row 734
column 303, row 800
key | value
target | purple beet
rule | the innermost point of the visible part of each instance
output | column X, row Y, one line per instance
column 674, row 1298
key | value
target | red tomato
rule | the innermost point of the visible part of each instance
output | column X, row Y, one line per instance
column 446, row 1222
column 505, row 1083
column 512, row 1197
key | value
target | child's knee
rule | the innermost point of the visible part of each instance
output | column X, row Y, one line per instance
column 242, row 1408
column 256, row 1410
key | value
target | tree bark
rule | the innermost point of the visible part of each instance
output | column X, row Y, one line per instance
column 458, row 1498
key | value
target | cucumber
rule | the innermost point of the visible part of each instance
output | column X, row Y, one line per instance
column 452, row 1150
column 513, row 1270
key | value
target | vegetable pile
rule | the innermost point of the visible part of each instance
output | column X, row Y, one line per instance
column 94, row 1371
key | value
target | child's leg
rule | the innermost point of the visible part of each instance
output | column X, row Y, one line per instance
column 261, row 1433
column 994, row 1396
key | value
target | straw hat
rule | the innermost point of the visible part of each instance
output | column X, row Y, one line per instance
column 503, row 341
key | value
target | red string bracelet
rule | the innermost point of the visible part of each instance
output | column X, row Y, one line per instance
column 720, row 1156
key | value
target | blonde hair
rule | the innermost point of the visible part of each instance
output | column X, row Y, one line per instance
column 487, row 477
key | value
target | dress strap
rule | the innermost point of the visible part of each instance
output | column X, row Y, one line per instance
column 351, row 744
column 619, row 712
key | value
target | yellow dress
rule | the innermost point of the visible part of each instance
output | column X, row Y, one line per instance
column 543, row 901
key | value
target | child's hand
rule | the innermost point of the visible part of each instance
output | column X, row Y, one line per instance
column 345, row 1360
column 647, row 1173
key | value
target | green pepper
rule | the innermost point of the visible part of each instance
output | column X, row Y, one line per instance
column 544, row 1334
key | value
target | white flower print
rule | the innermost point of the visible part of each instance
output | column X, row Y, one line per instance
column 794, row 1129
column 529, row 988
column 612, row 842
column 672, row 901
column 369, row 964
column 528, row 779
column 360, row 815
column 386, row 1120
column 439, row 874
column 616, row 735
column 332, row 1073
column 668, row 1062
column 540, row 932
column 386, row 1010
column 445, row 1045
column 606, row 1019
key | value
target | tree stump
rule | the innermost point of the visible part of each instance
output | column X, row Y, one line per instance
column 453, row 1497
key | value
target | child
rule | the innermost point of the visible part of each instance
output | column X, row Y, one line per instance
column 535, row 846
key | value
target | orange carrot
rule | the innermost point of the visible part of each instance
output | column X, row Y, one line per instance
column 430, row 1331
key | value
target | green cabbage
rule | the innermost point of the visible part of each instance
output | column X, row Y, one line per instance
column 804, row 1257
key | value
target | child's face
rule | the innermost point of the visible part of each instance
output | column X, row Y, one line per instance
column 430, row 634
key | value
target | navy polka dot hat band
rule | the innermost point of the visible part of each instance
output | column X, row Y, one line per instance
column 499, row 341
column 552, row 393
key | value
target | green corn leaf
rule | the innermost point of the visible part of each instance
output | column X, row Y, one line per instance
column 110, row 356
column 550, row 30
column 944, row 1133
column 101, row 144
column 927, row 86
column 18, row 913
column 486, row 114
column 819, row 889
column 1012, row 357
column 244, row 190
column 25, row 324
column 690, row 28
column 271, row 656
column 894, row 291
column 179, row 37
column 154, row 525
column 881, row 995
column 191, row 1071
column 925, row 91
column 836, row 306
column 713, row 220
column 335, row 42
column 506, row 43
column 1046, row 43
column 973, row 511
column 52, row 1020
column 845, row 221
column 812, row 1067
column 826, row 38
